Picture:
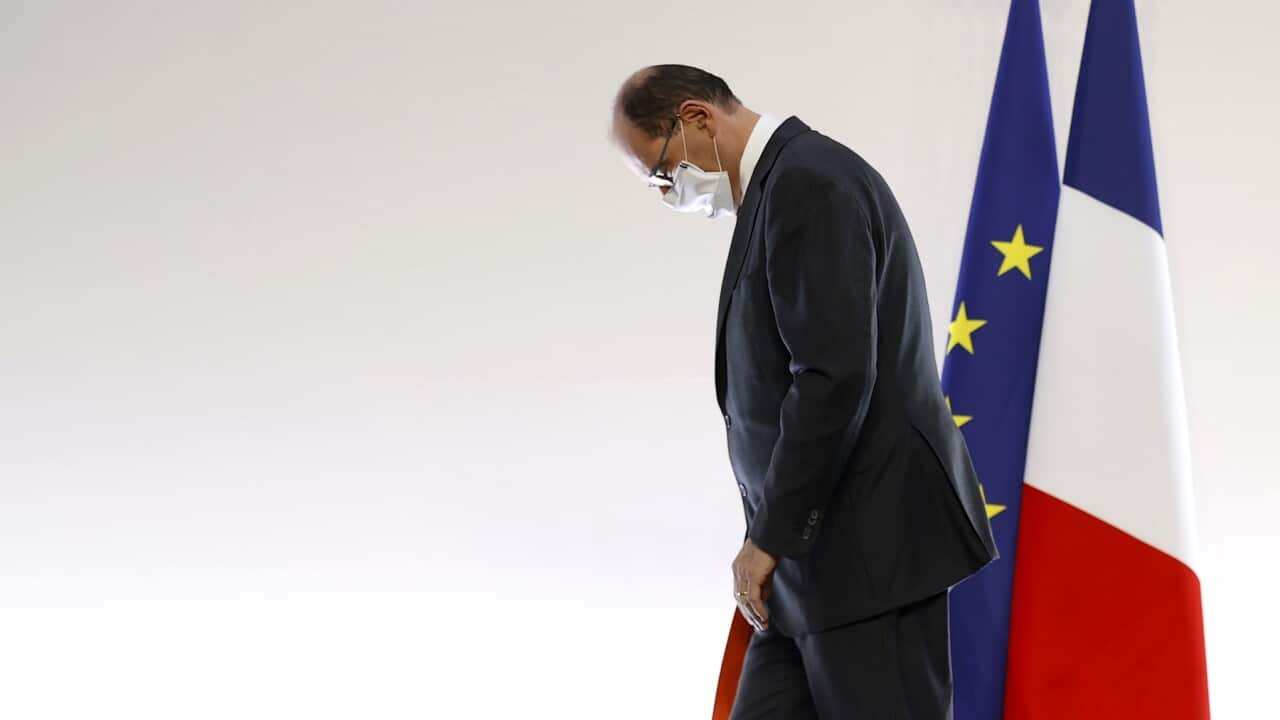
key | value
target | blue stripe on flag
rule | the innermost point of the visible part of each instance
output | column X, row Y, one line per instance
column 1116, row 165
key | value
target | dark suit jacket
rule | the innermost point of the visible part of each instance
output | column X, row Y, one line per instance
column 851, row 468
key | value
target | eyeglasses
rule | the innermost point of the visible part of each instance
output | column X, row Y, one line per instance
column 662, row 179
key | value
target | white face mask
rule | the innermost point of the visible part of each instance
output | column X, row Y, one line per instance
column 696, row 190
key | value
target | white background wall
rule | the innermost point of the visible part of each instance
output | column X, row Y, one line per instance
column 346, row 373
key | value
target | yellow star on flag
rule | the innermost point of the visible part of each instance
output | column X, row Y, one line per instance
column 960, row 419
column 992, row 510
column 961, row 330
column 1017, row 254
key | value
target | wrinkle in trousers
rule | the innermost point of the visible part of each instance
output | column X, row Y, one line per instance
column 892, row 666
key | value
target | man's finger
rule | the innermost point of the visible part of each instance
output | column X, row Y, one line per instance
column 740, row 593
column 748, row 612
column 755, row 600
column 749, row 598
column 750, row 615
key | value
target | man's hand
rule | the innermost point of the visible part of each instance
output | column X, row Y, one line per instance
column 752, row 574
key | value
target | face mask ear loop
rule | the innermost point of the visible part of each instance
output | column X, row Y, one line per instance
column 716, row 147
column 682, row 141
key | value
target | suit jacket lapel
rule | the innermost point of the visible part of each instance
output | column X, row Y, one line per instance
column 746, row 215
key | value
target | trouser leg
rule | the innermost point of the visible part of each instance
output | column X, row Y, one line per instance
column 894, row 666
column 772, row 685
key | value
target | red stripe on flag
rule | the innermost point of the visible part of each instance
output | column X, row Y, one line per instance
column 1103, row 624
column 735, row 649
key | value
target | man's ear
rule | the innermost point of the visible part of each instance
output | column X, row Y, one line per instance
column 696, row 112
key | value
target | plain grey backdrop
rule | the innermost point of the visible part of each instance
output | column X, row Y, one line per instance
column 346, row 372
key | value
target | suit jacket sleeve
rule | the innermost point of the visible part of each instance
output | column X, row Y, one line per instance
column 821, row 267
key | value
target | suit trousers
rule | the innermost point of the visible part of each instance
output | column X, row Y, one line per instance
column 892, row 666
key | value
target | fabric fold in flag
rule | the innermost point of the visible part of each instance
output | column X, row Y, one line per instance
column 1106, row 608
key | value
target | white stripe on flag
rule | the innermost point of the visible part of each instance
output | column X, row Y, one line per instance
column 1108, row 426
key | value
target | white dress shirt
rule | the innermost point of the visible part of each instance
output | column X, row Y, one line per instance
column 759, row 137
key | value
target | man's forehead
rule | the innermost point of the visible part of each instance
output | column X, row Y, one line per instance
column 639, row 151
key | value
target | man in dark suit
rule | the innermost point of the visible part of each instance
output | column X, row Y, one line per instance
column 862, row 505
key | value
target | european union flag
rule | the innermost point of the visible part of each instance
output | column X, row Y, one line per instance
column 994, row 339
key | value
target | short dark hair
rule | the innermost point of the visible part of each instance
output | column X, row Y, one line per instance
column 649, row 100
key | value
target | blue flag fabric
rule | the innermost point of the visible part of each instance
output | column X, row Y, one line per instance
column 994, row 338
column 1109, row 154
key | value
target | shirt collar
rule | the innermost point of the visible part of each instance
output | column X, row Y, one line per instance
column 759, row 137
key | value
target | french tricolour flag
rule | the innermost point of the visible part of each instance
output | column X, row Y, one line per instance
column 1106, row 618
